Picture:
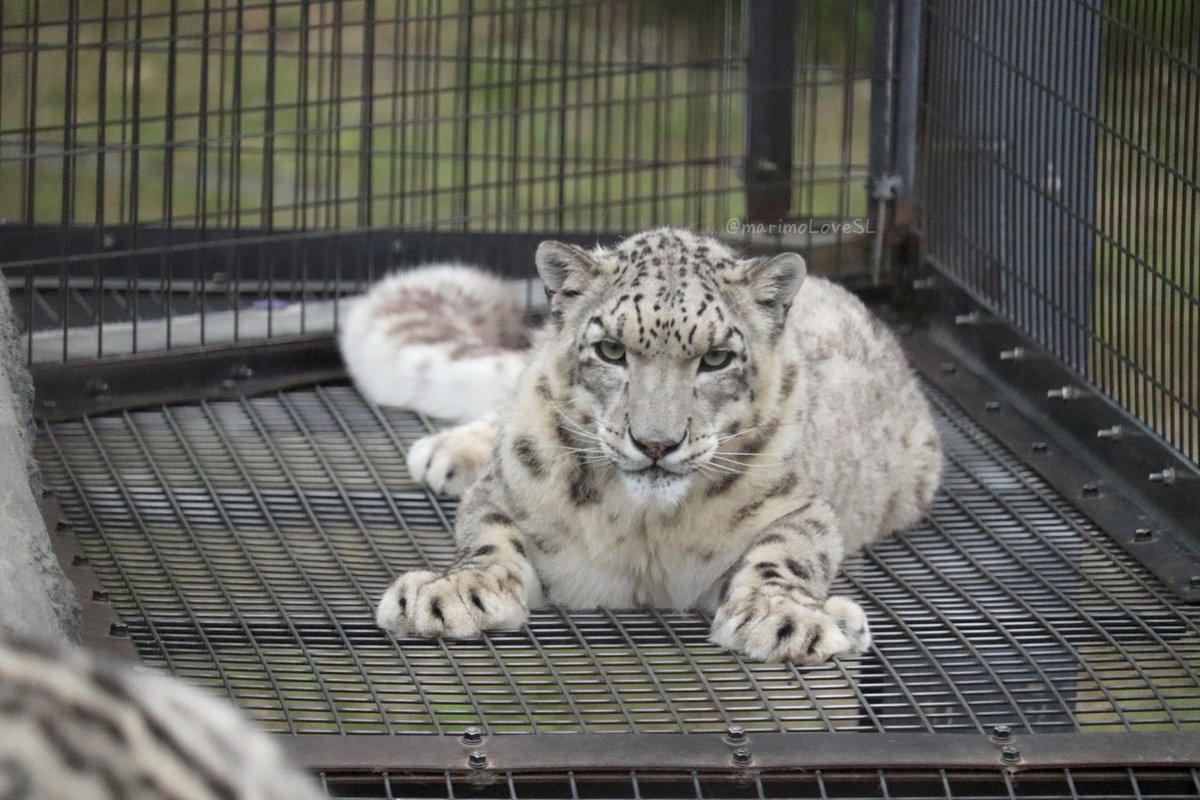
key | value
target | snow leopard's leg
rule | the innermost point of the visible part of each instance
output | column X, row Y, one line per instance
column 490, row 587
column 449, row 461
column 774, row 604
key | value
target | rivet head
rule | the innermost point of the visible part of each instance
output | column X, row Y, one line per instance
column 472, row 735
column 118, row 629
column 1040, row 447
column 477, row 759
column 741, row 757
column 1143, row 535
column 735, row 733
column 96, row 387
column 949, row 367
column 99, row 595
column 1002, row 733
column 1090, row 490
column 62, row 526
column 992, row 405
column 1194, row 582
column 1010, row 754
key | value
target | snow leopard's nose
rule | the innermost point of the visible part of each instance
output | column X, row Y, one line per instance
column 656, row 449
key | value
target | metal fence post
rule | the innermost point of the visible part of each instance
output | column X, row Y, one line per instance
column 770, row 67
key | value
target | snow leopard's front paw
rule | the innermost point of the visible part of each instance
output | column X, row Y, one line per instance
column 448, row 461
column 767, row 625
column 459, row 604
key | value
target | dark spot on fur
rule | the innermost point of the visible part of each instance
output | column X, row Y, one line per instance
column 746, row 510
column 526, row 452
column 435, row 608
column 783, row 485
column 798, row 569
column 516, row 545
column 770, row 538
column 814, row 639
column 485, row 550
column 722, row 484
column 403, row 605
column 496, row 518
column 785, row 630
column 477, row 602
column 583, row 488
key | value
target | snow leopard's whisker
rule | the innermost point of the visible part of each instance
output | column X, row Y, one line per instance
column 747, row 465
column 722, row 468
column 575, row 428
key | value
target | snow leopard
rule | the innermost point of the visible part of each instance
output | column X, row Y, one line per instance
column 74, row 726
column 692, row 430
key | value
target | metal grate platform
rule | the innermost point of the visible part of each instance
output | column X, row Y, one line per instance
column 244, row 544
column 867, row 784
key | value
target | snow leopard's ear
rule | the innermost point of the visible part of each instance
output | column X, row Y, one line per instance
column 566, row 271
column 774, row 281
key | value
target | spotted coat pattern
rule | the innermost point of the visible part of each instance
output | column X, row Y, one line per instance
column 696, row 430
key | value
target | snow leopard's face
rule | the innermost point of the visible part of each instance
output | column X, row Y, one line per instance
column 670, row 353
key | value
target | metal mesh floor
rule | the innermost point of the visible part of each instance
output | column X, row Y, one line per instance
column 246, row 542
column 1110, row 784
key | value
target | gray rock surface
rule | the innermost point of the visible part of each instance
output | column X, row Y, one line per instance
column 35, row 596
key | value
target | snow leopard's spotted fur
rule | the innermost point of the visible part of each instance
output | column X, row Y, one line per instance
column 74, row 728
column 811, row 442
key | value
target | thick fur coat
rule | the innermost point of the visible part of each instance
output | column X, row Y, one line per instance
column 694, row 430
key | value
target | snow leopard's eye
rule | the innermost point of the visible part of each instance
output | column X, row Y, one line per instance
column 612, row 352
column 715, row 359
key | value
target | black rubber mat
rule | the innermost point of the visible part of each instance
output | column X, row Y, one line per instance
column 245, row 544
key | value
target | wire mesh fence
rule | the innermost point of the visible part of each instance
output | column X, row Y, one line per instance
column 143, row 144
column 245, row 543
column 1061, row 184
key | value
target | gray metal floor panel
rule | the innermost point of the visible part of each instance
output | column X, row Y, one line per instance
column 245, row 543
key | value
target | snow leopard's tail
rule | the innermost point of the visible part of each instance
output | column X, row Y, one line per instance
column 446, row 340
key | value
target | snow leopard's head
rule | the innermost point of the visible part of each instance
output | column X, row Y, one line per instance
column 669, row 345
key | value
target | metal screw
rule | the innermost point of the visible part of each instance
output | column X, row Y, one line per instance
column 97, row 387
column 970, row 318
column 741, row 757
column 1109, row 433
column 118, row 629
column 62, row 526
column 1166, row 477
column 1016, row 354
column 1090, row 490
column 1194, row 582
column 99, row 595
column 949, row 367
column 78, row 561
column 735, row 734
column 477, row 759
column 1010, row 754
column 243, row 371
column 921, row 284
column 1040, row 447
column 1002, row 733
column 1143, row 535
column 472, row 735
column 992, row 405
column 1065, row 393
column 108, row 241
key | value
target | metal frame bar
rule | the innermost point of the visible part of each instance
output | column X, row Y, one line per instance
column 779, row 751
column 1083, row 443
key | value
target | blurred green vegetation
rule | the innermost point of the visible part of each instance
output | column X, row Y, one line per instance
column 593, row 116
